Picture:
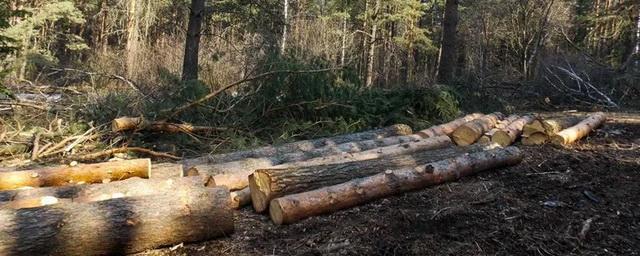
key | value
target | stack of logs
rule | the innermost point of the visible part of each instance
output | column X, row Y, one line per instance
column 130, row 206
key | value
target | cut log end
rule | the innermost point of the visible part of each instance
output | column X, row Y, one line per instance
column 537, row 138
column 276, row 212
column 259, row 185
column 401, row 129
column 502, row 138
column 240, row 198
column 464, row 136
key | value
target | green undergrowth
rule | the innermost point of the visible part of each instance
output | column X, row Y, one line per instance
column 280, row 108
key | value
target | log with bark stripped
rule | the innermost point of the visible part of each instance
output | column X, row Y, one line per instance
column 291, row 208
column 236, row 176
column 448, row 128
column 117, row 226
column 305, row 145
column 139, row 123
column 509, row 134
column 268, row 184
column 68, row 175
column 580, row 130
column 471, row 131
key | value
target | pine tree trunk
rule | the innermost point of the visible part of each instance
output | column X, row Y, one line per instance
column 117, row 226
column 372, row 45
column 192, row 43
column 268, row 184
column 292, row 208
column 448, row 50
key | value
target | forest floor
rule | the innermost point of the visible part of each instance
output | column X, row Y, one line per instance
column 539, row 207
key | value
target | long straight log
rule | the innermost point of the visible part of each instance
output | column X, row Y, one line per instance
column 291, row 208
column 509, row 134
column 471, row 131
column 448, row 128
column 580, row 130
column 27, row 198
column 305, row 145
column 236, row 177
column 67, row 175
column 117, row 226
column 268, row 184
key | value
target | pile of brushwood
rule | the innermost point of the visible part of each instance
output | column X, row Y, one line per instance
column 128, row 206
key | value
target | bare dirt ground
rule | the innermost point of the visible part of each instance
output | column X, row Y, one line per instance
column 536, row 208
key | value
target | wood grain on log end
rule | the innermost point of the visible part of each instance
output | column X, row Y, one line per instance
column 259, row 186
column 464, row 136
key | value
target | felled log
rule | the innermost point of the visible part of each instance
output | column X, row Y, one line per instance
column 26, row 198
column 448, row 128
column 471, row 131
column 305, row 145
column 68, row 175
column 580, row 130
column 291, row 208
column 166, row 171
column 509, row 134
column 549, row 126
column 486, row 138
column 139, row 123
column 238, row 178
column 240, row 198
column 117, row 226
column 267, row 184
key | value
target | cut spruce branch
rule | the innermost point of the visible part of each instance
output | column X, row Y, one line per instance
column 235, row 175
column 471, row 131
column 117, row 226
column 69, row 175
column 448, row 128
column 300, row 146
column 292, row 208
column 139, row 123
column 509, row 134
column 268, row 184
column 110, row 152
column 36, row 197
column 580, row 130
column 13, row 149
column 179, row 110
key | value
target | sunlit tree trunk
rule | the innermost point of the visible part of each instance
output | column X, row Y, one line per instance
column 448, row 51
column 636, row 51
column 192, row 44
column 132, row 36
column 285, row 27
column 372, row 45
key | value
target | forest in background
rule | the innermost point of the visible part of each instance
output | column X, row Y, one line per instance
column 300, row 69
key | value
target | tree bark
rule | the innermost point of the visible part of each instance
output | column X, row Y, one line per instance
column 28, row 198
column 448, row 128
column 298, row 146
column 291, row 208
column 117, row 226
column 192, row 43
column 283, row 46
column 166, row 171
column 470, row 132
column 268, row 184
column 582, row 129
column 508, row 135
column 448, row 50
column 237, row 178
column 66, row 175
